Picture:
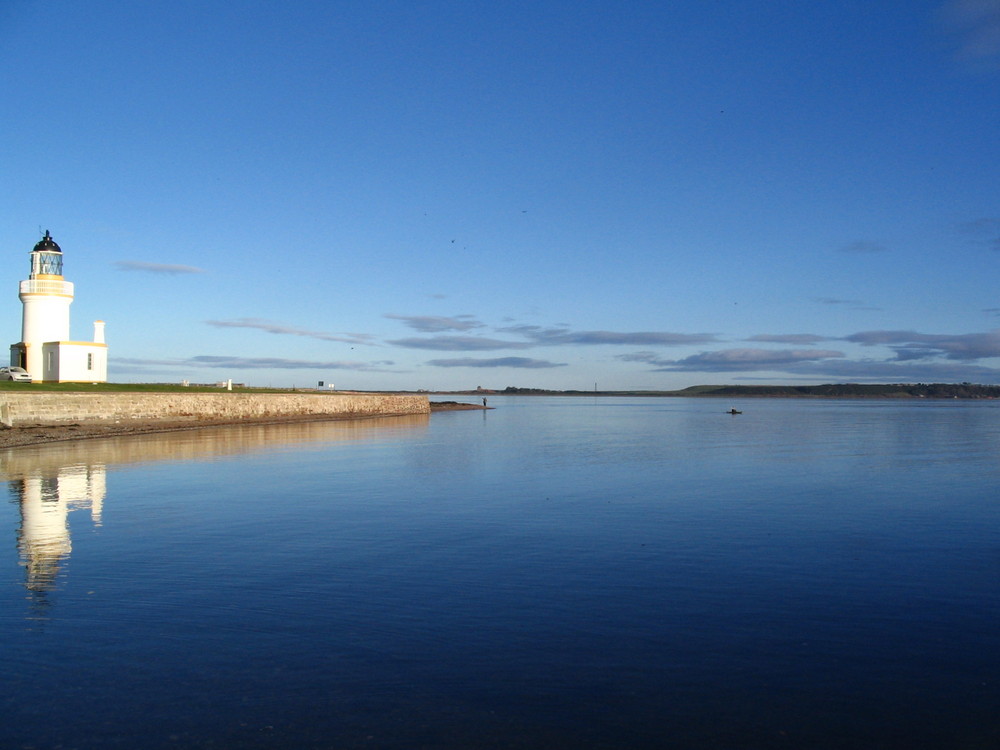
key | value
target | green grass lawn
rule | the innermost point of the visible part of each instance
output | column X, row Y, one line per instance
column 7, row 385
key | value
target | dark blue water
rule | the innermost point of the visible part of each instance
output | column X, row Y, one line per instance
column 554, row 573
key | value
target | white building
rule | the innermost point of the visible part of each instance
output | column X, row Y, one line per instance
column 45, row 350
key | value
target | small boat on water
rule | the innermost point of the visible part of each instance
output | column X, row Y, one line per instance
column 733, row 411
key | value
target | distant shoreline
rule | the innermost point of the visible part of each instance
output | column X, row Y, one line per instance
column 831, row 390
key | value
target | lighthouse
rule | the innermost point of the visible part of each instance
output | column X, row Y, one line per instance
column 45, row 349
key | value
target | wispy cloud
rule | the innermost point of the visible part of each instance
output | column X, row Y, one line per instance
column 265, row 363
column 863, row 247
column 161, row 268
column 975, row 26
column 252, row 363
column 916, row 357
column 284, row 330
column 836, row 301
column 734, row 360
column 536, row 336
column 648, row 357
column 911, row 345
column 789, row 338
column 437, row 324
column 131, row 361
column 983, row 232
column 561, row 336
column 517, row 362
column 458, row 344
column 984, row 225
column 896, row 372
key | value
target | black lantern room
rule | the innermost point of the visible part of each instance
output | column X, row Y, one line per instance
column 46, row 258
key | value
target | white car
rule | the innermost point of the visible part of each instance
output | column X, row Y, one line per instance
column 18, row 374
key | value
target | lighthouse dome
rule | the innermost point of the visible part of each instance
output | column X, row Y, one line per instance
column 47, row 245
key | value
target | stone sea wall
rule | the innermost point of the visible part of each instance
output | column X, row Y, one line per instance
column 22, row 409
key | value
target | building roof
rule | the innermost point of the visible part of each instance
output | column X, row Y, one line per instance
column 47, row 245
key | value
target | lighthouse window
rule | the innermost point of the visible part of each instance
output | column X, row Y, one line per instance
column 50, row 264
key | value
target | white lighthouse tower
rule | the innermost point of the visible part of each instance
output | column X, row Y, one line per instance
column 45, row 350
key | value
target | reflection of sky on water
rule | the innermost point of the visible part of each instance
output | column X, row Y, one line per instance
column 561, row 573
column 49, row 482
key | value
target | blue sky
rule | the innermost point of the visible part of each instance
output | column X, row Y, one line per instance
column 443, row 195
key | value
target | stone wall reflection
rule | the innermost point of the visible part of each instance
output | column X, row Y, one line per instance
column 201, row 443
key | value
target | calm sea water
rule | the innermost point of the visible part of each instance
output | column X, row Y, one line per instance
column 554, row 573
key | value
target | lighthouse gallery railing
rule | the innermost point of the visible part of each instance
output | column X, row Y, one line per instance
column 47, row 286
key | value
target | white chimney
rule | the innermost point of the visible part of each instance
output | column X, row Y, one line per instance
column 98, row 331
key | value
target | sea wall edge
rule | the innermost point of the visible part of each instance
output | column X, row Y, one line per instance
column 22, row 409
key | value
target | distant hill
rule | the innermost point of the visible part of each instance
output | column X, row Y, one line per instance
column 829, row 390
column 855, row 390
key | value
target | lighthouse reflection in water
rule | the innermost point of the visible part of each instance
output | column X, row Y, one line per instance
column 46, row 501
